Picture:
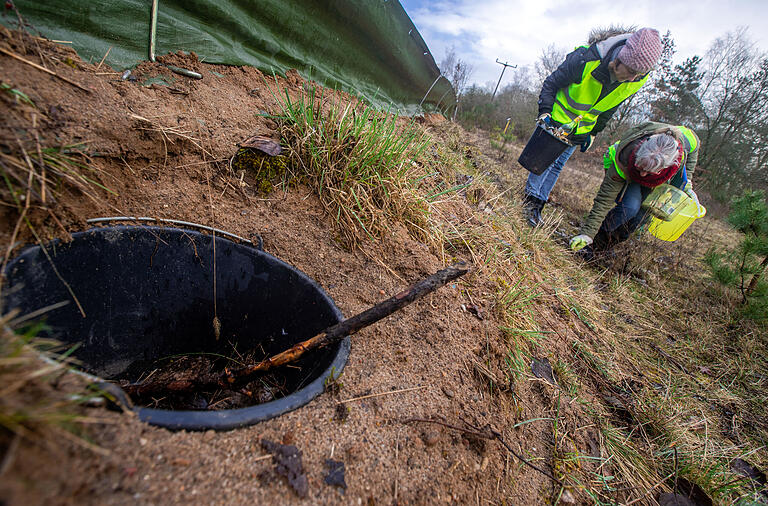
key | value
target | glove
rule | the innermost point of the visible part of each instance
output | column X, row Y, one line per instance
column 545, row 118
column 587, row 143
column 580, row 242
column 688, row 189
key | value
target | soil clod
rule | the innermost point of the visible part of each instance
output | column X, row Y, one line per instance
column 543, row 369
column 288, row 464
column 335, row 475
column 743, row 467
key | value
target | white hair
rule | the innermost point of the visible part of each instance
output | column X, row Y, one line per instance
column 658, row 152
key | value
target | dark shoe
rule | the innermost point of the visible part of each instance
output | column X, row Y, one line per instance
column 532, row 207
column 587, row 253
column 604, row 241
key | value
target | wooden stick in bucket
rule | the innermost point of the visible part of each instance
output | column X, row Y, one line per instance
column 230, row 378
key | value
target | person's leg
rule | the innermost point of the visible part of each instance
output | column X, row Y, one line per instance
column 539, row 186
column 532, row 210
column 623, row 219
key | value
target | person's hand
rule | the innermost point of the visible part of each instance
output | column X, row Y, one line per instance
column 580, row 242
column 587, row 143
column 545, row 119
column 689, row 191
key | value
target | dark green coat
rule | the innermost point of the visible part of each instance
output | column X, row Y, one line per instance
column 613, row 183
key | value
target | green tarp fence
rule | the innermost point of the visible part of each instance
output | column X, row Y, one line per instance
column 367, row 47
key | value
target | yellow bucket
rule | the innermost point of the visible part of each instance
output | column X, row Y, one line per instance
column 665, row 201
column 670, row 230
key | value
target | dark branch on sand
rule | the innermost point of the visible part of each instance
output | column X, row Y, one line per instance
column 231, row 378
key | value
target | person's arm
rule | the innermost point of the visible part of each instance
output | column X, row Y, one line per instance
column 570, row 71
column 604, row 201
column 693, row 159
column 602, row 120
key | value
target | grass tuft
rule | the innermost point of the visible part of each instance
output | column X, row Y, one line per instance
column 358, row 160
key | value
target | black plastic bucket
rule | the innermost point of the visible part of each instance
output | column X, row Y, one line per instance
column 147, row 293
column 542, row 150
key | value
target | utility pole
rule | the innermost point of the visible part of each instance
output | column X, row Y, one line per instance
column 502, row 75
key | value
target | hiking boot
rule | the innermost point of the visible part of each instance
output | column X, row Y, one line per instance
column 532, row 207
column 587, row 253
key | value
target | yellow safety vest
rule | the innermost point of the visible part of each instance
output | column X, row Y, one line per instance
column 690, row 137
column 581, row 99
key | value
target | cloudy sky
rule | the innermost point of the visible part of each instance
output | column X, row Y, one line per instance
column 516, row 31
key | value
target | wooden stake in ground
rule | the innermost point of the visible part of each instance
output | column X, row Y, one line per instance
column 231, row 378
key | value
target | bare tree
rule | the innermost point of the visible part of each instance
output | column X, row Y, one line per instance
column 733, row 130
column 456, row 70
column 550, row 58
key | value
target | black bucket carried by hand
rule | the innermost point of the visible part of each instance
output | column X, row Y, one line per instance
column 542, row 150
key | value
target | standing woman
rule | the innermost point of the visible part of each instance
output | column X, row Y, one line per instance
column 648, row 155
column 592, row 82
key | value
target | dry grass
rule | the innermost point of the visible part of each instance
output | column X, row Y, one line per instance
column 32, row 410
column 649, row 329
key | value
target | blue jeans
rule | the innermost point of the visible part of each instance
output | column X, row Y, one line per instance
column 626, row 213
column 540, row 185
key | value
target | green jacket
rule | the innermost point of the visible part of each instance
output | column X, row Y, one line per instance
column 615, row 181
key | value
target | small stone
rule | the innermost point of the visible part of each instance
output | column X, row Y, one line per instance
column 142, row 441
column 208, row 435
column 567, row 497
column 448, row 392
column 431, row 438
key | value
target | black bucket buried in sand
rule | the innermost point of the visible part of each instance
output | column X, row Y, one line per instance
column 147, row 299
column 541, row 151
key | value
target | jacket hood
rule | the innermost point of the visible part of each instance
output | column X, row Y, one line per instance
column 604, row 46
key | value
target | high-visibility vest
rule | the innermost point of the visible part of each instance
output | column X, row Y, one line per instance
column 609, row 159
column 690, row 137
column 581, row 99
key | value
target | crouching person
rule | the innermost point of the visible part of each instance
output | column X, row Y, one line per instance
column 650, row 154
